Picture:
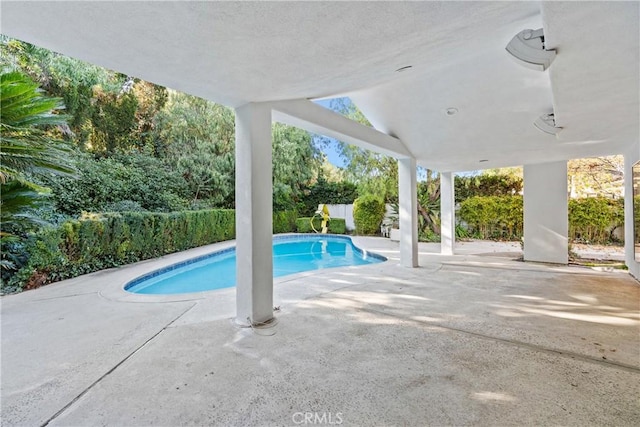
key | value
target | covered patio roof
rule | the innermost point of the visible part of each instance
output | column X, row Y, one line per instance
column 240, row 52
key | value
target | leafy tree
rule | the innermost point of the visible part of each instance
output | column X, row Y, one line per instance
column 197, row 138
column 487, row 184
column 330, row 172
column 324, row 191
column 151, row 99
column 104, row 183
column 114, row 122
column 68, row 78
column 372, row 172
column 296, row 161
column 601, row 176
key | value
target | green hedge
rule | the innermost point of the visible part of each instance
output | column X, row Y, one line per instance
column 284, row 221
column 98, row 241
column 368, row 213
column 591, row 220
column 335, row 226
column 493, row 217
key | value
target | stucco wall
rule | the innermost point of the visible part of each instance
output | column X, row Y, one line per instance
column 631, row 157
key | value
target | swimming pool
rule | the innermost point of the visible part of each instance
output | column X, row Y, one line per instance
column 291, row 254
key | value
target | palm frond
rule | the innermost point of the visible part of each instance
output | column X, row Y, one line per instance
column 24, row 144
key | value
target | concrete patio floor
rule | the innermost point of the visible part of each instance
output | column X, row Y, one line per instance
column 471, row 339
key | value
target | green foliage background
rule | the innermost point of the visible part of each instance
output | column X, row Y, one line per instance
column 368, row 213
column 591, row 220
column 335, row 226
column 97, row 241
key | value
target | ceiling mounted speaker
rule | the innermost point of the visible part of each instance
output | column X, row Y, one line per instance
column 547, row 124
column 527, row 47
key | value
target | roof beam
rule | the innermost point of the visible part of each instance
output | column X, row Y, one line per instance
column 314, row 118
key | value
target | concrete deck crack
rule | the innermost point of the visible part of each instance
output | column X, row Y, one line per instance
column 534, row 347
column 65, row 296
column 116, row 366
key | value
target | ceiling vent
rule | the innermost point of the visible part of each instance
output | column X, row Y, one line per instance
column 547, row 124
column 528, row 48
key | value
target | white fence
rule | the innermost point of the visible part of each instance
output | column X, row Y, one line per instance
column 346, row 212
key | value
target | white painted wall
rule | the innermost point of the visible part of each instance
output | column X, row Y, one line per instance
column 632, row 156
column 343, row 211
column 546, row 223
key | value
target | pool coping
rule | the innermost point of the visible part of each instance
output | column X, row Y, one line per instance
column 118, row 292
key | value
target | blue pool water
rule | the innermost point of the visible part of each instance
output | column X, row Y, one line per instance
column 291, row 254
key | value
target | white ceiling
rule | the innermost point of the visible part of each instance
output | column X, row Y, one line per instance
column 238, row 52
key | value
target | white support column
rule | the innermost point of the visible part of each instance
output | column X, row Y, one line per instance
column 630, row 158
column 447, row 213
column 408, row 195
column 254, row 269
column 546, row 223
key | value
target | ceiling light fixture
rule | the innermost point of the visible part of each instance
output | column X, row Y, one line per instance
column 405, row 68
column 529, row 49
column 452, row 111
column 547, row 124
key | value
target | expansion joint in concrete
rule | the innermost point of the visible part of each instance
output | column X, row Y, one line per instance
column 116, row 366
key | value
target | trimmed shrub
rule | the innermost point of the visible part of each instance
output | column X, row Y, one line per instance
column 323, row 191
column 284, row 221
column 98, row 241
column 335, row 226
column 593, row 219
column 493, row 217
column 368, row 213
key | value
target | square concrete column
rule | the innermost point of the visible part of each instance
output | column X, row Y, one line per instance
column 254, row 253
column 546, row 216
column 630, row 158
column 408, row 195
column 447, row 213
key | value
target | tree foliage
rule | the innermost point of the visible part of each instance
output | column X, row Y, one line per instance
column 599, row 176
column 196, row 137
column 373, row 173
column 487, row 184
column 101, row 182
column 296, row 161
column 326, row 192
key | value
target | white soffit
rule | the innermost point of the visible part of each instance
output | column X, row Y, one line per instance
column 238, row 52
